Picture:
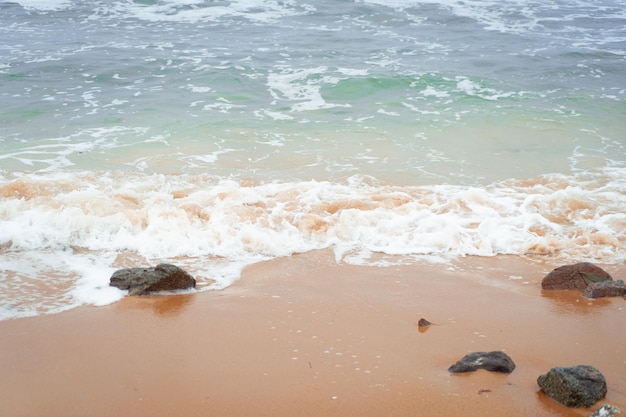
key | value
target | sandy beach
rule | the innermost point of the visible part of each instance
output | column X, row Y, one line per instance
column 422, row 159
column 303, row 336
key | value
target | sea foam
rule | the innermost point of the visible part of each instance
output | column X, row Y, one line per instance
column 165, row 216
column 77, row 225
column 45, row 5
column 191, row 11
column 184, row 215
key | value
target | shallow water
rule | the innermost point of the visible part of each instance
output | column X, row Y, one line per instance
column 217, row 134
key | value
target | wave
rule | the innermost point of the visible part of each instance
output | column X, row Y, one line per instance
column 62, row 235
column 580, row 215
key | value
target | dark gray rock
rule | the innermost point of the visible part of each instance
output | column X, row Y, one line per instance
column 491, row 361
column 576, row 386
column 605, row 289
column 607, row 410
column 574, row 277
column 142, row 281
column 423, row 323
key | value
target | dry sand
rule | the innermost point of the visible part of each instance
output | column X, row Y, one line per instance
column 302, row 336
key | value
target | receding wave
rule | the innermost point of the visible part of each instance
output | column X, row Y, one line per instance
column 63, row 235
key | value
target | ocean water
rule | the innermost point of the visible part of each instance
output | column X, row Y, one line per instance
column 216, row 134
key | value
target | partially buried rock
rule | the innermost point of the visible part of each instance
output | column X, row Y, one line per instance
column 491, row 361
column 423, row 323
column 574, row 277
column 605, row 289
column 142, row 281
column 576, row 386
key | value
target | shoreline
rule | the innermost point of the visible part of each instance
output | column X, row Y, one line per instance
column 303, row 336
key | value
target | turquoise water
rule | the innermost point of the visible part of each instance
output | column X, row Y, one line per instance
column 238, row 131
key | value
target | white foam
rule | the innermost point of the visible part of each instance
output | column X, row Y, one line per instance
column 223, row 106
column 523, row 16
column 45, row 5
column 199, row 89
column 430, row 91
column 353, row 72
column 56, row 153
column 301, row 87
column 396, row 4
column 214, row 228
column 163, row 216
column 209, row 158
column 46, row 281
column 273, row 115
column 472, row 88
column 193, row 11
column 94, row 271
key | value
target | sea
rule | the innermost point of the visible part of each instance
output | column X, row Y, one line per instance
column 217, row 134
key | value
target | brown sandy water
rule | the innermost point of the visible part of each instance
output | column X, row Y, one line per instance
column 303, row 336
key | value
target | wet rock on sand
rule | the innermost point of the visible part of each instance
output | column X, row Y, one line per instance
column 574, row 277
column 605, row 289
column 142, row 281
column 423, row 323
column 491, row 361
column 576, row 386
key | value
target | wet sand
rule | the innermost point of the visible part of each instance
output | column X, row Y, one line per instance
column 303, row 336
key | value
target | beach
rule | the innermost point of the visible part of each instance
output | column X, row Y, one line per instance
column 306, row 336
column 329, row 173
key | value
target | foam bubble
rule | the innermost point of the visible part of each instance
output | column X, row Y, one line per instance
column 472, row 88
column 431, row 91
column 302, row 87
